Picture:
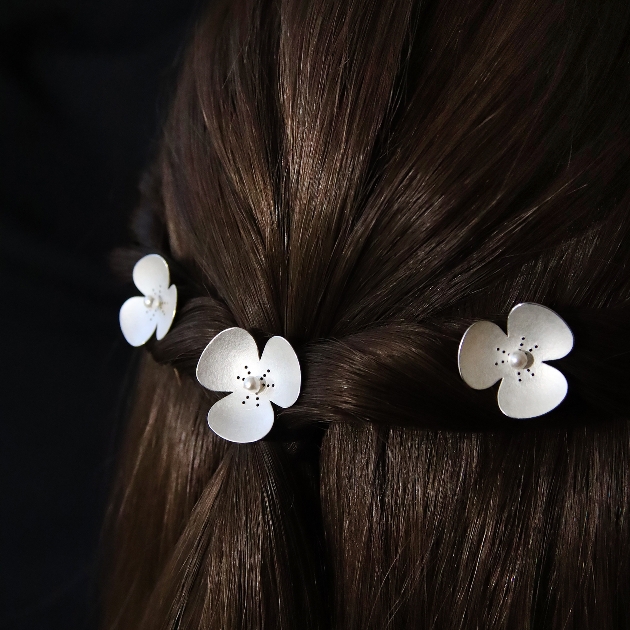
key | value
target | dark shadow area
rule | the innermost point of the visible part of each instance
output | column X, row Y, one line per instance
column 83, row 91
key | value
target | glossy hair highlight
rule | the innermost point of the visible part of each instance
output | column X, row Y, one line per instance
column 366, row 179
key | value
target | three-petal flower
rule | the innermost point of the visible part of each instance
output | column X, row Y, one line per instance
column 230, row 363
column 529, row 387
column 139, row 316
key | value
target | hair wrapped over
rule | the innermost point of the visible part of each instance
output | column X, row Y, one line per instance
column 366, row 179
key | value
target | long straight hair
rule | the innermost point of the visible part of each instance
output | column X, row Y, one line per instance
column 367, row 178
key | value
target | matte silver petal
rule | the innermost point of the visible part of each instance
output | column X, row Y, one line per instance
column 281, row 368
column 136, row 321
column 483, row 355
column 227, row 359
column 532, row 392
column 237, row 422
column 166, row 311
column 540, row 331
column 150, row 274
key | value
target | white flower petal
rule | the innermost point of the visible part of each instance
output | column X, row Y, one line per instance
column 281, row 367
column 540, row 390
column 482, row 356
column 150, row 275
column 166, row 311
column 137, row 322
column 237, row 422
column 547, row 336
column 231, row 354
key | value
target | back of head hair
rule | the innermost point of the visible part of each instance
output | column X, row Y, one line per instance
column 368, row 178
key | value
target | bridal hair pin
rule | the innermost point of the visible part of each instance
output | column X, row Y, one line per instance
column 230, row 363
column 529, row 387
column 140, row 316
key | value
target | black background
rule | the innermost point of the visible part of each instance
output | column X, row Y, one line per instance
column 84, row 89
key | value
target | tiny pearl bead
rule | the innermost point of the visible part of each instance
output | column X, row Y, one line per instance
column 518, row 359
column 148, row 301
column 250, row 383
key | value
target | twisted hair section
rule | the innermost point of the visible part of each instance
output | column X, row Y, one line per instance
column 367, row 179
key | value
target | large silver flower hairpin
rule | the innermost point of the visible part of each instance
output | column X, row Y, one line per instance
column 230, row 363
column 140, row 316
column 529, row 387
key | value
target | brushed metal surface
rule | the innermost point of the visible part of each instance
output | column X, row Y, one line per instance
column 228, row 363
column 138, row 321
column 525, row 392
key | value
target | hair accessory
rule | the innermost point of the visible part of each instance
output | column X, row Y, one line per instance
column 230, row 363
column 529, row 387
column 139, row 316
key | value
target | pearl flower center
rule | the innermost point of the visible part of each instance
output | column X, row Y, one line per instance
column 520, row 359
column 152, row 302
column 253, row 384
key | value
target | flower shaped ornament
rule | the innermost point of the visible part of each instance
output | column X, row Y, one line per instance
column 529, row 387
column 139, row 316
column 230, row 363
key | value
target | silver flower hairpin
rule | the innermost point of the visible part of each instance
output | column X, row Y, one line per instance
column 230, row 363
column 529, row 387
column 139, row 316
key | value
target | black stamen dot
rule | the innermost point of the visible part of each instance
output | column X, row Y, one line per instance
column 523, row 338
column 246, row 396
column 496, row 364
column 245, row 367
column 519, row 373
column 528, row 369
column 268, row 370
column 535, row 346
column 257, row 405
column 504, row 352
column 257, row 398
column 532, row 374
column 520, row 379
column 521, row 344
column 238, row 377
column 243, row 402
column 261, row 378
column 502, row 361
column 273, row 385
column 498, row 349
column 249, row 372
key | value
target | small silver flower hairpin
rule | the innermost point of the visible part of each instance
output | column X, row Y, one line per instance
column 529, row 387
column 140, row 316
column 230, row 363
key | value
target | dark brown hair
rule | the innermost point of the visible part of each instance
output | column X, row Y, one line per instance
column 366, row 178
